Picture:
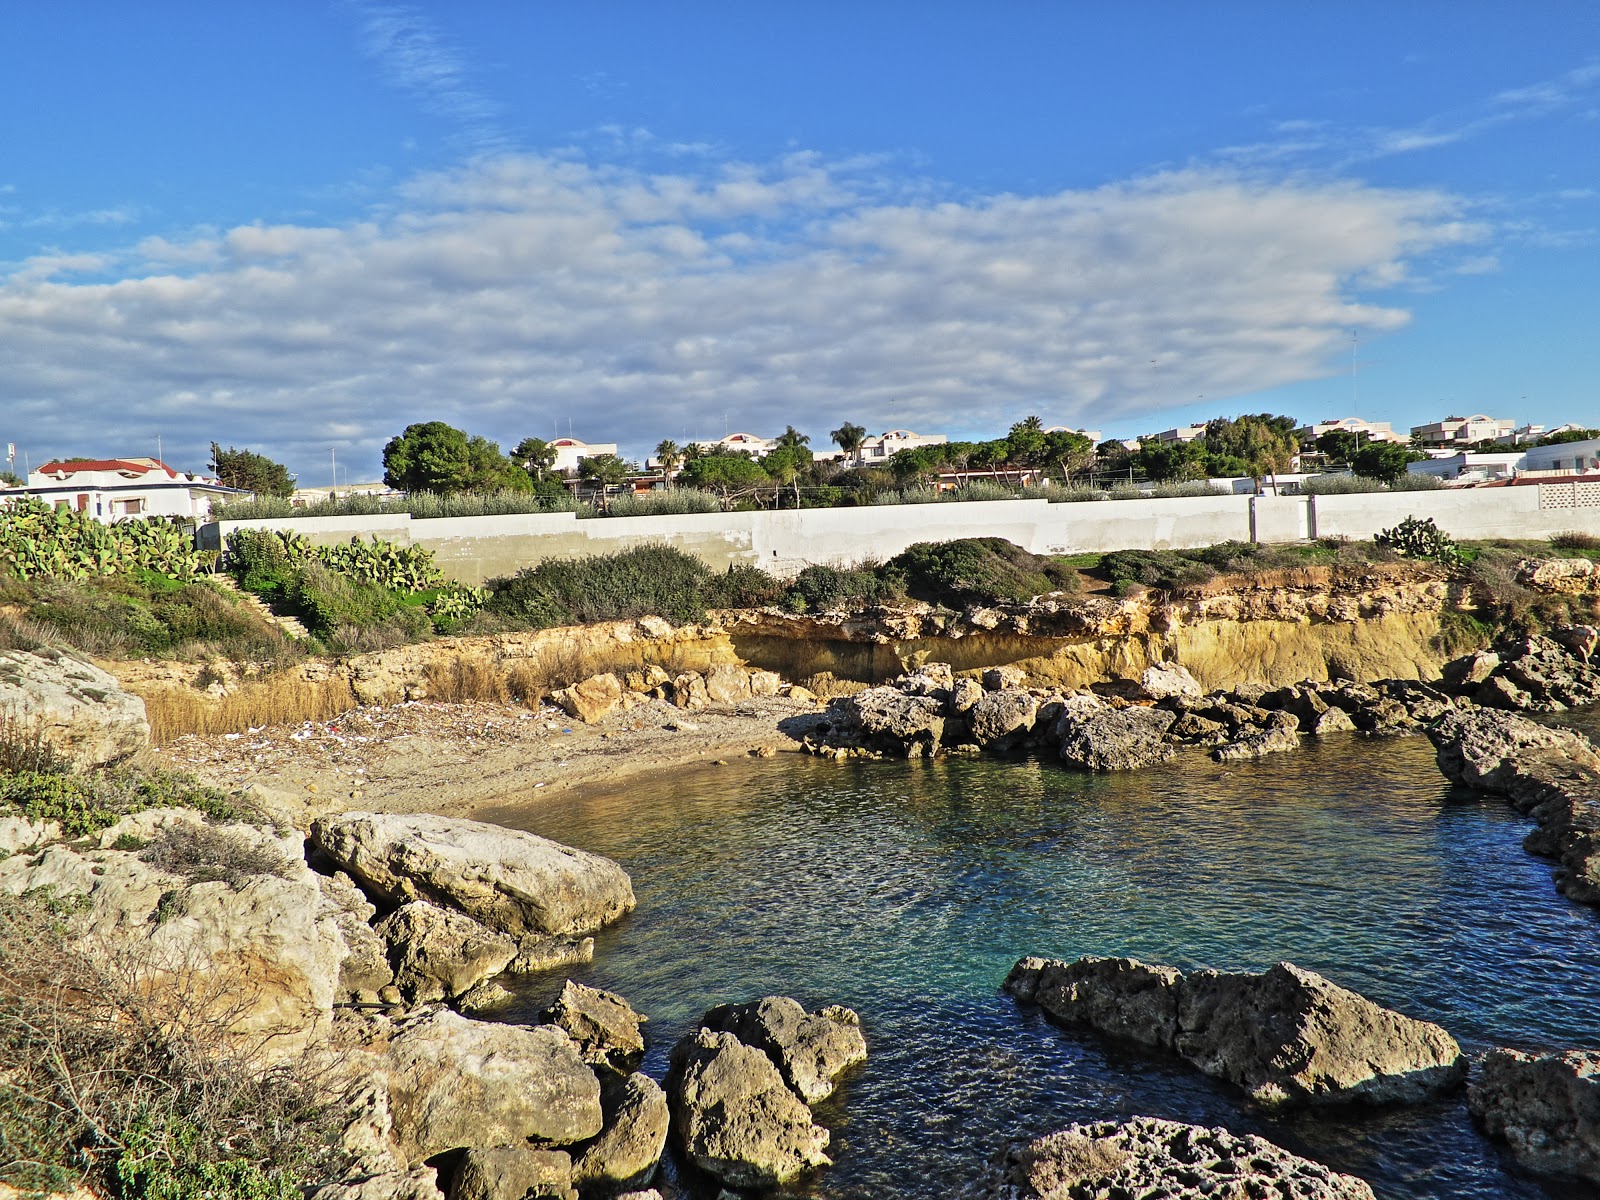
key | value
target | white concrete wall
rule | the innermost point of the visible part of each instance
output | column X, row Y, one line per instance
column 473, row 549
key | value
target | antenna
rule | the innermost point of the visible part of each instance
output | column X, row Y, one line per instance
column 1355, row 409
column 333, row 467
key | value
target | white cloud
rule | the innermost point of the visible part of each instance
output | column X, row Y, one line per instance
column 523, row 291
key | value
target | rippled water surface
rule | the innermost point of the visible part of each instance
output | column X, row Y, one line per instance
column 907, row 890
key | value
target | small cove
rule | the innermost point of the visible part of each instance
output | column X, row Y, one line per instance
column 907, row 889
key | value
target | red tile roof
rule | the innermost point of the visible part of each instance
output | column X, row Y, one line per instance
column 106, row 464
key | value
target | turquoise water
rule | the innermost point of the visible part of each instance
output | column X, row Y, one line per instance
column 907, row 890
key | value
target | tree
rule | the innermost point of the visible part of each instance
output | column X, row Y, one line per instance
column 1570, row 435
column 916, row 464
column 603, row 471
column 791, row 438
column 787, row 464
column 1166, row 462
column 431, row 456
column 1340, row 445
column 535, row 456
column 251, row 471
column 849, row 437
column 728, row 475
column 11, row 478
column 1261, row 444
column 1384, row 460
column 1067, row 451
column 669, row 456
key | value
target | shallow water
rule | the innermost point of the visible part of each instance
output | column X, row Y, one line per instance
column 907, row 890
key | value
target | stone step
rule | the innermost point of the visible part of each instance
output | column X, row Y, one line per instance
column 289, row 625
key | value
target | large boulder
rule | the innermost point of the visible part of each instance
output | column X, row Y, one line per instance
column 1289, row 1035
column 513, row 1173
column 1544, row 1107
column 1099, row 738
column 1286, row 1035
column 457, row 1083
column 509, row 880
column 812, row 1050
column 627, row 1151
column 1000, row 718
column 1479, row 747
column 438, row 954
column 365, row 971
column 727, row 684
column 76, row 711
column 1167, row 681
column 1119, row 997
column 602, row 1024
column 888, row 719
column 735, row 1117
column 1147, row 1157
column 592, row 700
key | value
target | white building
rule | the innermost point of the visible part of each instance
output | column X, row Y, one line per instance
column 113, row 489
column 881, row 448
column 1183, row 433
column 733, row 443
column 1465, row 468
column 570, row 452
column 1571, row 458
column 1464, row 431
column 1094, row 435
column 1373, row 431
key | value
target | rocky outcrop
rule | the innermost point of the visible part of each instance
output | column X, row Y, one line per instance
column 78, row 712
column 812, row 1050
column 1564, row 576
column 419, row 1184
column 512, row 1173
column 1149, row 1157
column 457, row 1083
column 510, row 881
column 365, row 974
column 1544, row 1107
column 602, row 1024
column 438, row 954
column 1553, row 775
column 734, row 1116
column 592, row 700
column 1551, row 672
column 1286, row 1036
column 1097, row 738
column 628, row 1149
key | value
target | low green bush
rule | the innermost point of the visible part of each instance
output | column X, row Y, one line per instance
column 831, row 589
column 86, row 804
column 1164, row 569
column 642, row 581
column 978, row 571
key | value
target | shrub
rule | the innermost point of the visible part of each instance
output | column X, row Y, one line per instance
column 1419, row 537
column 742, row 587
column 1414, row 482
column 214, row 854
column 978, row 571
column 831, row 589
column 86, row 804
column 645, row 580
column 1575, row 540
column 1341, row 485
column 1165, row 569
column 668, row 502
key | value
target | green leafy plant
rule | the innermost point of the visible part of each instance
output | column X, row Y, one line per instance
column 1419, row 537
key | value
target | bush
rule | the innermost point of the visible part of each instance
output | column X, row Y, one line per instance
column 978, row 571
column 1413, row 482
column 1419, row 537
column 646, row 580
column 86, row 804
column 742, row 587
column 668, row 502
column 832, row 589
column 1165, row 569
column 1575, row 540
column 214, row 854
column 1341, row 485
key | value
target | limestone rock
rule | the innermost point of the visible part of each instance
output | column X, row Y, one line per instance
column 930, row 679
column 625, row 1154
column 511, row 1173
column 74, row 708
column 455, row 1082
column 592, row 700
column 1148, row 1157
column 602, row 1024
column 1470, row 670
column 438, row 954
column 511, row 881
column 765, row 683
column 1479, row 747
column 1119, row 997
column 1107, row 739
column 735, row 1117
column 536, row 953
column 365, row 970
column 1567, row 576
column 1289, row 1035
column 689, row 690
column 812, row 1050
column 1275, row 739
column 727, row 684
column 1000, row 718
column 998, row 679
column 419, row 1184
column 1545, row 1107
column 1332, row 720
column 1167, row 680
column 886, row 718
column 964, row 693
column 19, row 833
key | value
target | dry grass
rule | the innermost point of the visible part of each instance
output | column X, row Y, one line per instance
column 174, row 712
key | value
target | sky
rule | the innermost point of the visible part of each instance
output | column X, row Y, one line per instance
column 300, row 227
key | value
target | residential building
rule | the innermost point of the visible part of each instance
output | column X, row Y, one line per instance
column 301, row 497
column 1373, row 431
column 1183, row 433
column 1570, row 458
column 879, row 449
column 1463, row 431
column 570, row 452
column 1463, row 468
column 114, row 489
column 734, row 443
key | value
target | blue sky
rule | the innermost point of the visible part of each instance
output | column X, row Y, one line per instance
column 305, row 225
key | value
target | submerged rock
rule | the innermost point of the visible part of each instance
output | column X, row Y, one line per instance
column 1544, row 1107
column 735, row 1117
column 511, row 881
column 812, row 1050
column 1286, row 1035
column 1146, row 1157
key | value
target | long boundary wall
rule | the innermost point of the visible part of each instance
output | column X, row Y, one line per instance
column 473, row 549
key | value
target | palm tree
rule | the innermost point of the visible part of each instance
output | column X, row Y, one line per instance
column 793, row 437
column 849, row 438
column 669, row 456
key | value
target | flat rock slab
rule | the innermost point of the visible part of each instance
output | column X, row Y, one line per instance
column 1146, row 1157
column 511, row 881
column 1544, row 1107
column 1286, row 1036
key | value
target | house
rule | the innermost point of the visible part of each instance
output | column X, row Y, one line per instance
column 881, row 448
column 1463, row 431
column 1464, row 468
column 114, row 489
column 1372, row 431
column 1571, row 458
column 1095, row 436
column 1183, row 433
column 734, row 443
column 570, row 452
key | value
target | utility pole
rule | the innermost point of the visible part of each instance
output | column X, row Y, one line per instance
column 1355, row 409
column 333, row 469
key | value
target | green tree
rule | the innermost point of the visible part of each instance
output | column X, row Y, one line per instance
column 787, row 465
column 603, row 472
column 791, row 438
column 251, row 471
column 1570, row 435
column 1168, row 462
column 1384, row 460
column 1262, row 444
column 11, row 478
column 669, row 456
column 431, row 456
column 848, row 438
column 1026, row 443
column 1340, row 445
column 535, row 456
column 916, row 464
column 1067, row 451
column 490, row 471
column 729, row 476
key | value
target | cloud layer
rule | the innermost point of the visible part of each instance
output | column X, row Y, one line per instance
column 521, row 292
